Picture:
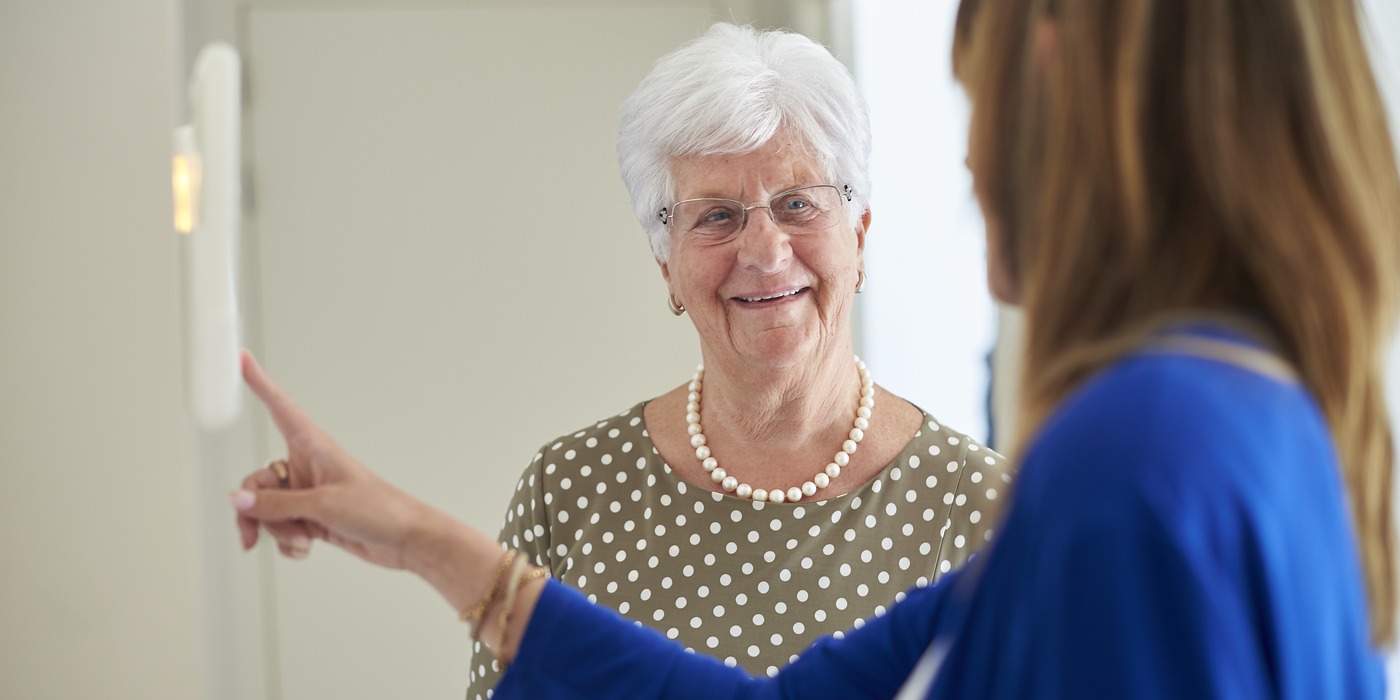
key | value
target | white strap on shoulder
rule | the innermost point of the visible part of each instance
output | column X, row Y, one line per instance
column 1243, row 356
column 920, row 680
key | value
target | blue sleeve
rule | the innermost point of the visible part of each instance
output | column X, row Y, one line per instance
column 574, row 650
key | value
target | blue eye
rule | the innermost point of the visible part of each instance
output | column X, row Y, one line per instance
column 715, row 216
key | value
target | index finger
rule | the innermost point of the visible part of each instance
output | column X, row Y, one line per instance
column 288, row 417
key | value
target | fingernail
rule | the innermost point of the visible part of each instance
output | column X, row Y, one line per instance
column 299, row 548
column 241, row 500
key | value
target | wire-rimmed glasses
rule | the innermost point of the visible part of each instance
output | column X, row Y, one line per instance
column 805, row 209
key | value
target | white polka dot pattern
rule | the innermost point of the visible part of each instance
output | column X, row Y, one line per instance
column 747, row 582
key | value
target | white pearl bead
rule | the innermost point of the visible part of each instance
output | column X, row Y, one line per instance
column 833, row 470
column 692, row 407
column 693, row 428
column 849, row 447
column 863, row 423
column 692, row 396
column 867, row 402
column 743, row 491
column 702, row 452
column 863, row 412
column 695, row 385
column 775, row 496
column 841, row 459
column 857, row 434
column 709, row 463
column 697, row 440
column 760, row 495
column 821, row 480
column 809, row 488
column 729, row 483
column 794, row 494
column 692, row 418
column 718, row 474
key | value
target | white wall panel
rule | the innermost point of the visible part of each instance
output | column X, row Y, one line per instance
column 928, row 320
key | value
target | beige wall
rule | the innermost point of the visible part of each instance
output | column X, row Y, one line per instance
column 98, row 581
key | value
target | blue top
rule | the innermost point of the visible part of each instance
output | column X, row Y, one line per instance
column 1178, row 529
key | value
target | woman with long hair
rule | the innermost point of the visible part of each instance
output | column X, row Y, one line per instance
column 1197, row 204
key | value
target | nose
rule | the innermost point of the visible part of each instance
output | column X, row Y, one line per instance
column 767, row 209
column 764, row 247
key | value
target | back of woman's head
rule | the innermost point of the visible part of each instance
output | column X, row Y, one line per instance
column 1196, row 155
column 729, row 92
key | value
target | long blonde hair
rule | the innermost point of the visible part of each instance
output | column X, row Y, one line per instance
column 1196, row 155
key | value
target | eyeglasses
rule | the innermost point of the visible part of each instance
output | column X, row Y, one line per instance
column 806, row 209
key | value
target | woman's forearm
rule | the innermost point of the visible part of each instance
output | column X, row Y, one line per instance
column 461, row 564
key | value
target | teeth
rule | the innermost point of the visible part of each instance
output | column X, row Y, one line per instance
column 775, row 296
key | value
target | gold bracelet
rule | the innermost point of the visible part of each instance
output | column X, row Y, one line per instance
column 533, row 574
column 530, row 575
column 512, row 587
column 472, row 615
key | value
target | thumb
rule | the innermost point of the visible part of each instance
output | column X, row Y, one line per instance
column 273, row 506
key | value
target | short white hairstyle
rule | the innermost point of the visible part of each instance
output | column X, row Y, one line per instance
column 729, row 92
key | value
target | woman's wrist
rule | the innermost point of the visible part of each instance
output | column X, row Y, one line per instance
column 456, row 560
column 464, row 566
column 519, row 620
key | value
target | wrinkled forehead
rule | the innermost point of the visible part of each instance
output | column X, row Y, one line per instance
column 783, row 162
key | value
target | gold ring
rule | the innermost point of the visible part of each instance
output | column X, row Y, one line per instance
column 284, row 476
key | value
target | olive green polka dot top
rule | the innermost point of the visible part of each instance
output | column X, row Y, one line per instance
column 750, row 583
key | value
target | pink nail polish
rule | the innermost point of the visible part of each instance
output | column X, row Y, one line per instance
column 241, row 500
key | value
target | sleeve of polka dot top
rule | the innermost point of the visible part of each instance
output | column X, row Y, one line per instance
column 981, row 480
column 526, row 527
column 525, row 514
column 575, row 650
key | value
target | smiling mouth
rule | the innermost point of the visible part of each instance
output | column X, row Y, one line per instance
column 771, row 297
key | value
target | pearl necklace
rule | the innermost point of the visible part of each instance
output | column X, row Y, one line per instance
column 821, row 480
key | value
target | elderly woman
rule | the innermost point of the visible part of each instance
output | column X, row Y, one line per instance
column 779, row 495
column 1210, row 283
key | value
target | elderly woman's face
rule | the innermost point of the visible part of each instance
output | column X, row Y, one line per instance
column 771, row 294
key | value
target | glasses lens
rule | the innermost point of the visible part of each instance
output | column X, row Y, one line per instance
column 807, row 208
column 711, row 218
column 800, row 210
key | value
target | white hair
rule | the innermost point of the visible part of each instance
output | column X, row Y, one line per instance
column 729, row 92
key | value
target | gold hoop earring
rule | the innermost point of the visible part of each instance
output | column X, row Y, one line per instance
column 860, row 282
column 675, row 308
